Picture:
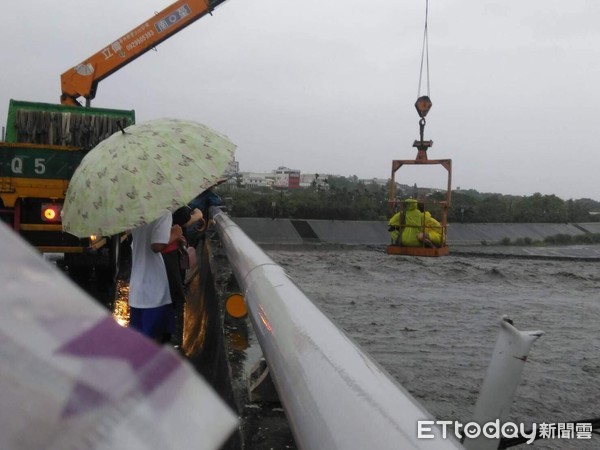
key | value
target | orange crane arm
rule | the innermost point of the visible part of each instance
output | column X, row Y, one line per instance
column 82, row 80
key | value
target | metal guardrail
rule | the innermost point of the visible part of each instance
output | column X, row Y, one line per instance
column 334, row 394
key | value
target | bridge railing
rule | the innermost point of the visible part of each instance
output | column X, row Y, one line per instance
column 334, row 394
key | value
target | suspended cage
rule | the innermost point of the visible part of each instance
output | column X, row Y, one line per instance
column 413, row 229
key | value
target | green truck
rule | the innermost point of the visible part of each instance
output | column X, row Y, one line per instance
column 44, row 144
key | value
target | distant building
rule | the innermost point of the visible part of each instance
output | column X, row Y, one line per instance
column 306, row 179
column 257, row 179
column 286, row 178
column 314, row 180
column 378, row 181
column 281, row 178
column 232, row 168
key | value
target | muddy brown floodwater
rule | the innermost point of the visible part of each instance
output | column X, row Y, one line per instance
column 433, row 323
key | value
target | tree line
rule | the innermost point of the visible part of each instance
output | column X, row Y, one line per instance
column 341, row 198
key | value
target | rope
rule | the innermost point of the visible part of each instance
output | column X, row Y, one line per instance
column 424, row 52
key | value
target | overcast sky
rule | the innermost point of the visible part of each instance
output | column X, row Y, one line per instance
column 330, row 86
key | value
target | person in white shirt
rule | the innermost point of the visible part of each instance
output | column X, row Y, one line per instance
column 151, row 309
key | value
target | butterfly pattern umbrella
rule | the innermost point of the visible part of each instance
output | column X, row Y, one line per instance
column 138, row 174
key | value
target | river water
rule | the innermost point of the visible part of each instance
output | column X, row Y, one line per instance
column 432, row 323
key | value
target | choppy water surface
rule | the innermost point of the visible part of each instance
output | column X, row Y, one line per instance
column 433, row 323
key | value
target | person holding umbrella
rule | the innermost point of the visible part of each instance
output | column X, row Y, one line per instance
column 150, row 303
column 134, row 180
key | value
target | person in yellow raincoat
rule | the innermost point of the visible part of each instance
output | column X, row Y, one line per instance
column 394, row 228
column 405, row 230
column 432, row 233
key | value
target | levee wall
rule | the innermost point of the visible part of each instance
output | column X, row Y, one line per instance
column 474, row 233
column 343, row 232
column 593, row 227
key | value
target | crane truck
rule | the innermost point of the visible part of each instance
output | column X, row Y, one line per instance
column 45, row 142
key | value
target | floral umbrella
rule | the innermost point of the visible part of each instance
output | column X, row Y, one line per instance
column 136, row 175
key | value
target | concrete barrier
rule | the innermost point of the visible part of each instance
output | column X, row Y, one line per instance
column 287, row 231
column 268, row 231
column 476, row 233
column 350, row 232
column 592, row 227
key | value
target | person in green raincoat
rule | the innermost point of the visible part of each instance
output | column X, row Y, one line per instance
column 413, row 223
column 410, row 227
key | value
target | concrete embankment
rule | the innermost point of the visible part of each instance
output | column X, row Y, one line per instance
column 289, row 231
column 463, row 238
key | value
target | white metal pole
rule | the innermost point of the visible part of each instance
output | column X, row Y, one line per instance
column 334, row 394
column 501, row 381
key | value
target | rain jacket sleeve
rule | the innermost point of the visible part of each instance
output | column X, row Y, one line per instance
column 394, row 227
column 433, row 228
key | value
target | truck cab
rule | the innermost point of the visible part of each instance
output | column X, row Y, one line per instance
column 44, row 145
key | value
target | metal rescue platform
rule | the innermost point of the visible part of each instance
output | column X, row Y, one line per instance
column 425, row 246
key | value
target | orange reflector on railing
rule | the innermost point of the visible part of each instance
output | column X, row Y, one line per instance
column 236, row 306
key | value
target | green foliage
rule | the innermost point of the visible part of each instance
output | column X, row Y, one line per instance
column 347, row 198
column 559, row 239
column 538, row 208
column 588, row 238
column 526, row 241
column 566, row 239
column 342, row 201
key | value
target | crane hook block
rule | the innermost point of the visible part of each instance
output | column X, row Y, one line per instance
column 423, row 105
